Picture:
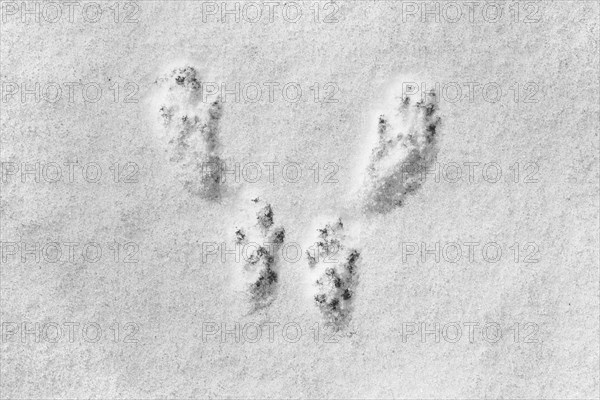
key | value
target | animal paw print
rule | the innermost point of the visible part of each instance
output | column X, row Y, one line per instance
column 406, row 148
column 190, row 120
column 334, row 268
column 260, row 243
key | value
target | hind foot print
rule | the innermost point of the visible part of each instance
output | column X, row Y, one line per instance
column 333, row 268
column 258, row 242
column 406, row 148
column 188, row 120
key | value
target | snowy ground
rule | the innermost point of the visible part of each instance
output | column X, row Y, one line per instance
column 519, row 96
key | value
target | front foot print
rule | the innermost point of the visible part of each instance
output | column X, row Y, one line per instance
column 333, row 264
column 259, row 243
